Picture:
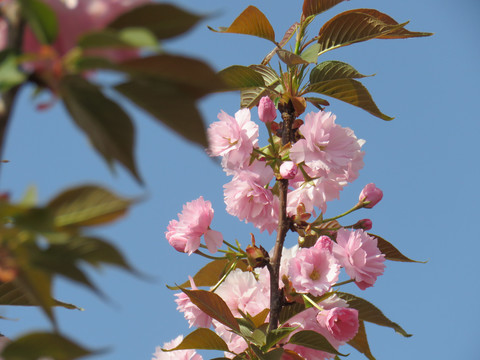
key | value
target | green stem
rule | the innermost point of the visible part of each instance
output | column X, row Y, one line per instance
column 230, row 269
column 344, row 282
column 319, row 221
column 198, row 252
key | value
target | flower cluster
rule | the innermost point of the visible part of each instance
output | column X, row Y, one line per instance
column 310, row 271
column 324, row 158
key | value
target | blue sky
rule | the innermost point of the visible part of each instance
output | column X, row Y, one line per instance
column 426, row 161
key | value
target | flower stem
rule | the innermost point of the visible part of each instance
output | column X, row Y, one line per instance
column 319, row 221
column 198, row 252
column 344, row 282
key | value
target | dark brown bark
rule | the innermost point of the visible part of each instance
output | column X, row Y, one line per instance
column 276, row 296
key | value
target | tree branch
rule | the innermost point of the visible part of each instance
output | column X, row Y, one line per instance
column 276, row 297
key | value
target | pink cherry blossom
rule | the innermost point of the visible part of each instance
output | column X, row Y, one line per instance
column 247, row 197
column 307, row 320
column 233, row 139
column 370, row 196
column 191, row 312
column 266, row 110
column 193, row 222
column 159, row 354
column 241, row 291
column 312, row 194
column 326, row 146
column 288, row 170
column 341, row 322
column 313, row 270
column 359, row 255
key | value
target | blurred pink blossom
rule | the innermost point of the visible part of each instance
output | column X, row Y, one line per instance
column 358, row 253
column 313, row 270
column 159, row 354
column 371, row 194
column 233, row 139
column 193, row 222
column 266, row 110
column 77, row 17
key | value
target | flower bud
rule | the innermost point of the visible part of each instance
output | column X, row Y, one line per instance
column 370, row 196
column 364, row 224
column 288, row 170
column 266, row 110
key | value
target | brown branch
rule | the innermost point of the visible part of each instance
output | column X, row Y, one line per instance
column 16, row 26
column 276, row 296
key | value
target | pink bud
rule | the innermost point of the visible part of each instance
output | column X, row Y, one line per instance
column 266, row 110
column 364, row 224
column 288, row 170
column 324, row 242
column 370, row 196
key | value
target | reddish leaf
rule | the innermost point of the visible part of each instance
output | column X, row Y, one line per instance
column 195, row 74
column 172, row 105
column 251, row 22
column 201, row 338
column 214, row 306
column 390, row 251
column 107, row 126
column 351, row 27
column 163, row 20
column 400, row 33
column 314, row 7
column 360, row 342
column 313, row 340
column 369, row 312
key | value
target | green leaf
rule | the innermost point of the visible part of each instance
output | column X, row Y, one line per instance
column 214, row 306
column 162, row 20
column 108, row 127
column 275, row 354
column 10, row 76
column 87, row 205
column 400, row 33
column 310, row 54
column 251, row 96
column 126, row 38
column 12, row 294
column 201, row 338
column 350, row 91
column 391, row 252
column 368, row 312
column 42, row 345
column 173, row 105
column 251, row 22
column 360, row 342
column 351, row 27
column 333, row 70
column 315, row 7
column 42, row 20
column 276, row 335
column 290, row 58
column 313, row 340
column 241, row 77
